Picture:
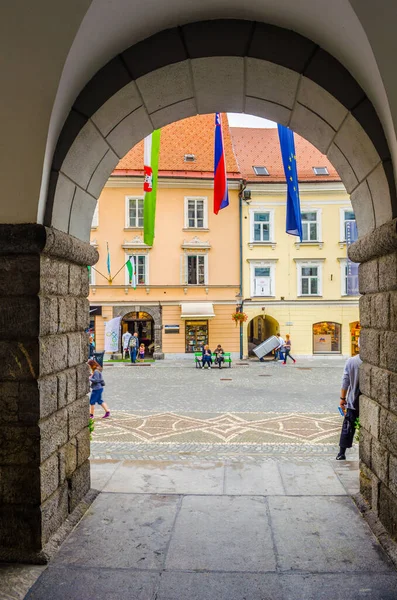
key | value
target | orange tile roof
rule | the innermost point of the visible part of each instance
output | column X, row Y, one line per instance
column 188, row 136
column 261, row 148
column 244, row 148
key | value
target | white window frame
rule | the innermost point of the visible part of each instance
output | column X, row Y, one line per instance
column 205, row 256
column 92, row 277
column 205, row 206
column 126, row 274
column 310, row 264
column 318, row 212
column 127, row 212
column 253, row 212
column 265, row 265
column 343, row 211
column 95, row 217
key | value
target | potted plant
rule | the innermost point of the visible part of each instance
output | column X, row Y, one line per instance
column 239, row 317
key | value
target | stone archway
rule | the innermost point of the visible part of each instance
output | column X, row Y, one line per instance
column 156, row 313
column 228, row 65
column 237, row 66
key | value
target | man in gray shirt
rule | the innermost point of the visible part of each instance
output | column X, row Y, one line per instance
column 349, row 403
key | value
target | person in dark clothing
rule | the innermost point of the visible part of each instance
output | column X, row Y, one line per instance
column 287, row 350
column 219, row 356
column 207, row 357
column 349, row 403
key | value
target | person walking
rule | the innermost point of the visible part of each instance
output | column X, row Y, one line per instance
column 125, row 342
column 206, row 357
column 349, row 403
column 287, row 350
column 219, row 356
column 97, row 384
column 133, row 346
column 278, row 355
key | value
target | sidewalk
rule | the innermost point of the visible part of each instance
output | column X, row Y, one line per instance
column 201, row 530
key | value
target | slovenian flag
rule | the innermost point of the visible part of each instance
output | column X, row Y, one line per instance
column 131, row 271
column 151, row 167
column 221, row 196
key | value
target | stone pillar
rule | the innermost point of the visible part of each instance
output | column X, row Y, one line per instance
column 44, row 438
column 377, row 253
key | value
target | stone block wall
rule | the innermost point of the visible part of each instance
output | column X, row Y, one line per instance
column 377, row 253
column 44, row 438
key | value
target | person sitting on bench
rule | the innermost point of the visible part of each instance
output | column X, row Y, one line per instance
column 219, row 356
column 206, row 358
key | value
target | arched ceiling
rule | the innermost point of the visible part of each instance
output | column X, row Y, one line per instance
column 49, row 55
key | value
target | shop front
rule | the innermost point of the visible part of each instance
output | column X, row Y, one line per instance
column 327, row 338
column 196, row 316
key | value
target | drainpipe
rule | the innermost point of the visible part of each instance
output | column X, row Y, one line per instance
column 243, row 185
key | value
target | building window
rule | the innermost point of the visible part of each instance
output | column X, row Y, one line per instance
column 262, row 279
column 134, row 212
column 260, row 171
column 196, row 269
column 349, row 278
column 347, row 216
column 91, row 276
column 309, row 279
column 320, row 171
column 141, row 262
column 95, row 217
column 261, row 226
column 310, row 226
column 326, row 338
column 195, row 213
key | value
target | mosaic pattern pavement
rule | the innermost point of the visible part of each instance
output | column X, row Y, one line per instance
column 227, row 428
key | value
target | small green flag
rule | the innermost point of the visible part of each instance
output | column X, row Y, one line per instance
column 151, row 167
column 131, row 271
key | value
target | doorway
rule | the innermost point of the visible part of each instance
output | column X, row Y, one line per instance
column 143, row 324
column 260, row 328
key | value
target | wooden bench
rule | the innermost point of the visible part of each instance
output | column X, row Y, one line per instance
column 199, row 355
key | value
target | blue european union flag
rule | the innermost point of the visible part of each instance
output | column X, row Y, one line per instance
column 287, row 145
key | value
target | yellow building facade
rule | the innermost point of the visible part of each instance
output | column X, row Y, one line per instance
column 299, row 288
column 187, row 281
column 203, row 266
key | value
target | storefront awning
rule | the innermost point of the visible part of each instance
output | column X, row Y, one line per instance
column 197, row 310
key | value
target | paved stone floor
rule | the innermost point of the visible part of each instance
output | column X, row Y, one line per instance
column 171, row 409
column 217, row 485
column 171, row 530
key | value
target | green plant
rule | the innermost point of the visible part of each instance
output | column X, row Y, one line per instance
column 239, row 317
column 357, row 427
column 91, row 426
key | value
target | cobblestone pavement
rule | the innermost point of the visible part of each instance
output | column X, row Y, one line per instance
column 171, row 411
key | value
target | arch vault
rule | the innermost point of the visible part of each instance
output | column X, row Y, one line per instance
column 203, row 67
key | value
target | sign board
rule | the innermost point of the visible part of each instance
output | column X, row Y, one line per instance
column 171, row 328
column 112, row 334
column 322, row 342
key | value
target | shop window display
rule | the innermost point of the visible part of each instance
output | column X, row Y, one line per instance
column 326, row 338
column 196, row 335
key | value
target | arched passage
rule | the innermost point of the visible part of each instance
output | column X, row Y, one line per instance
column 204, row 67
column 237, row 66
column 259, row 329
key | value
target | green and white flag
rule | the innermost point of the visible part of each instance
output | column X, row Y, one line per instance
column 131, row 271
column 151, row 167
